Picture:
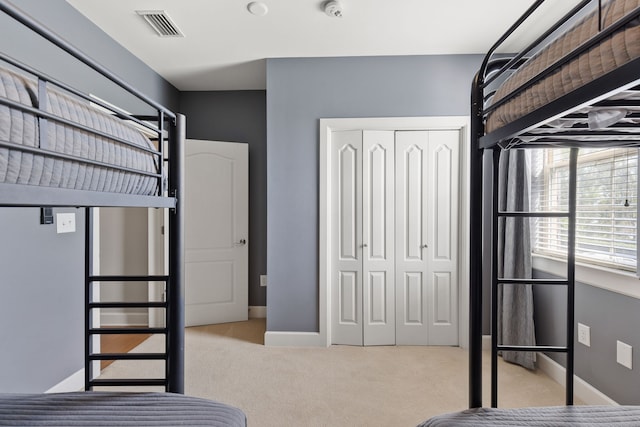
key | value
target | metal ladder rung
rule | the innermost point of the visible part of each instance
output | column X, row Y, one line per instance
column 134, row 382
column 535, row 348
column 123, row 278
column 511, row 214
column 532, row 281
column 151, row 304
column 128, row 356
column 126, row 331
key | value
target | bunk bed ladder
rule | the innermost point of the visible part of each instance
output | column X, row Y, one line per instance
column 92, row 307
column 569, row 282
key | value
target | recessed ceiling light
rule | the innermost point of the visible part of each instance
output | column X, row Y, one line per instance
column 257, row 8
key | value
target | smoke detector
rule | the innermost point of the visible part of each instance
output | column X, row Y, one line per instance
column 333, row 8
column 161, row 23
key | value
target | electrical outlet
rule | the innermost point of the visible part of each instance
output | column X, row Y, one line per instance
column 584, row 334
column 624, row 354
column 263, row 280
column 66, row 223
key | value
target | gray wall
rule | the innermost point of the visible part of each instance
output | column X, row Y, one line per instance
column 301, row 91
column 41, row 301
column 239, row 116
column 611, row 316
column 41, row 286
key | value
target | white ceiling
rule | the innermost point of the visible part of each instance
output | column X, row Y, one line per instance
column 225, row 46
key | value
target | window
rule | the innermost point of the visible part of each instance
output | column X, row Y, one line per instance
column 606, row 226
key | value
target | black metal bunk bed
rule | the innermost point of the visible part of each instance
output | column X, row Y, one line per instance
column 58, row 150
column 542, row 97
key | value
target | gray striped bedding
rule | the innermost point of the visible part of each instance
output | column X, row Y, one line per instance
column 116, row 409
column 611, row 53
column 17, row 167
column 550, row 416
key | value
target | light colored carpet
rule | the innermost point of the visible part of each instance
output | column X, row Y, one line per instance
column 335, row 386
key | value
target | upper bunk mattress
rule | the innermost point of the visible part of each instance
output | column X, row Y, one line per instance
column 22, row 128
column 613, row 52
column 116, row 409
column 557, row 416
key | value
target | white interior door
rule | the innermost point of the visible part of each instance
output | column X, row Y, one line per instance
column 216, row 232
column 427, row 237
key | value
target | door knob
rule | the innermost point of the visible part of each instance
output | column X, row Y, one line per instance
column 242, row 242
column 364, row 245
column 424, row 246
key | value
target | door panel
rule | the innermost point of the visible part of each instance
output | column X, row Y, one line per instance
column 443, row 192
column 442, row 301
column 412, row 302
column 348, row 183
column 377, row 237
column 346, row 238
column 411, row 235
column 349, row 298
column 377, row 298
column 443, row 226
column 216, row 222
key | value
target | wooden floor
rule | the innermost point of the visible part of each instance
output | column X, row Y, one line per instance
column 119, row 344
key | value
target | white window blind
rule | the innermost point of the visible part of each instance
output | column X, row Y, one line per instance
column 606, row 226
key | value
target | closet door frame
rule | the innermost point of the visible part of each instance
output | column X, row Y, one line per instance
column 326, row 168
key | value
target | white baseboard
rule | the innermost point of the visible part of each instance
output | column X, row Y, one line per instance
column 124, row 318
column 582, row 389
column 257, row 312
column 75, row 382
column 293, row 339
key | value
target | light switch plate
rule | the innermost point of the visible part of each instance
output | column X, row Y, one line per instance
column 66, row 222
column 263, row 280
column 624, row 354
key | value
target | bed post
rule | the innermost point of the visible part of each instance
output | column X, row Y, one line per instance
column 475, row 246
column 88, row 289
column 175, row 337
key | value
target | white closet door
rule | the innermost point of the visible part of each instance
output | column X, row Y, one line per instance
column 378, row 293
column 426, row 237
column 346, row 238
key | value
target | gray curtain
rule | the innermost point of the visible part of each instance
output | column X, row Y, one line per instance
column 515, row 302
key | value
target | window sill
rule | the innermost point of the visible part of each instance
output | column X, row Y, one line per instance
column 621, row 282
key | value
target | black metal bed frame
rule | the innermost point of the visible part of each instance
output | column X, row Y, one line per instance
column 171, row 151
column 595, row 93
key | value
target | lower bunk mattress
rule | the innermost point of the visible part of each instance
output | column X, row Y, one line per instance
column 556, row 416
column 94, row 408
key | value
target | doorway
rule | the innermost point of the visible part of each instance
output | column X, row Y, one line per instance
column 216, row 236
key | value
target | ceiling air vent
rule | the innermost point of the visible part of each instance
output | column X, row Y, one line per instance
column 161, row 23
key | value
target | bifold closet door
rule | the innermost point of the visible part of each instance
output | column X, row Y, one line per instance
column 427, row 237
column 362, row 288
